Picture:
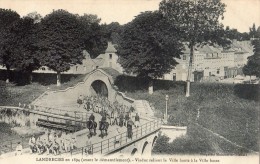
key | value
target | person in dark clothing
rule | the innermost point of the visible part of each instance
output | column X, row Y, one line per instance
column 130, row 124
column 126, row 118
column 121, row 119
column 137, row 120
column 92, row 117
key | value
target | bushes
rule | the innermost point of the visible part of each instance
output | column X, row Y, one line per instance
column 247, row 91
column 197, row 141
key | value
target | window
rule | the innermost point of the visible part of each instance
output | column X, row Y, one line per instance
column 110, row 56
column 96, row 67
column 217, row 71
column 76, row 68
column 43, row 68
column 184, row 57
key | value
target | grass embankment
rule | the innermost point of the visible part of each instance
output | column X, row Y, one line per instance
column 18, row 90
column 227, row 109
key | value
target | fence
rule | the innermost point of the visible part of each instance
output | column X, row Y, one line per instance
column 119, row 141
column 103, row 147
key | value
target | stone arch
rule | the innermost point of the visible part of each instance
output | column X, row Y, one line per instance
column 134, row 151
column 144, row 146
column 101, row 77
column 99, row 88
column 154, row 139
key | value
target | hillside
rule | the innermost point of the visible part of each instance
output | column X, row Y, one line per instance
column 226, row 109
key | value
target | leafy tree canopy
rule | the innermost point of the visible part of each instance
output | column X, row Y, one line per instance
column 92, row 36
column 148, row 45
column 198, row 20
column 253, row 63
column 60, row 41
column 7, row 19
column 22, row 45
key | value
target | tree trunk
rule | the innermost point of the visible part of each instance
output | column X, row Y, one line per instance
column 189, row 72
column 58, row 79
column 7, row 74
column 150, row 89
column 30, row 77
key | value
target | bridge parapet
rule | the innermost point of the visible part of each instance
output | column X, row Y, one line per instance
column 115, row 143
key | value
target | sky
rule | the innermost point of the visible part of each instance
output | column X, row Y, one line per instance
column 240, row 14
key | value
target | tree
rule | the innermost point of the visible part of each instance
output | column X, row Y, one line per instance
column 92, row 35
column 35, row 16
column 198, row 21
column 147, row 46
column 7, row 19
column 252, row 31
column 23, row 46
column 60, row 41
column 253, row 64
column 112, row 31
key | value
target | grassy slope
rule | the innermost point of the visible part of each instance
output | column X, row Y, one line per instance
column 12, row 94
column 222, row 109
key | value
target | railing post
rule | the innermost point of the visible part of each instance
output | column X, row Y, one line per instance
column 141, row 130
column 108, row 144
column 11, row 146
column 146, row 128
column 115, row 143
column 101, row 147
column 121, row 139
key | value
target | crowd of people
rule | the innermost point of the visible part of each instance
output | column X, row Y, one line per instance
column 115, row 113
column 52, row 142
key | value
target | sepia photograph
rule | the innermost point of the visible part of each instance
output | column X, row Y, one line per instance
column 129, row 81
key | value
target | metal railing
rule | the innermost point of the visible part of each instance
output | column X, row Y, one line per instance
column 102, row 147
column 119, row 141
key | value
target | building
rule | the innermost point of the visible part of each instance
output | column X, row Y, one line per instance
column 212, row 62
column 108, row 59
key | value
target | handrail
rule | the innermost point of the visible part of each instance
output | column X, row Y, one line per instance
column 110, row 145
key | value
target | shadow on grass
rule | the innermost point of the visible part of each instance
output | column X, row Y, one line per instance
column 247, row 91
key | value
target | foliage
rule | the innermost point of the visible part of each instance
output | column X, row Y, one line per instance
column 147, row 46
column 21, row 43
column 59, row 44
column 112, row 31
column 198, row 22
column 253, row 64
column 234, row 34
column 197, row 141
column 7, row 19
column 92, row 34
column 226, row 109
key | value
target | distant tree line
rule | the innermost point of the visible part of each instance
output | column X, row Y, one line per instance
column 56, row 40
column 146, row 46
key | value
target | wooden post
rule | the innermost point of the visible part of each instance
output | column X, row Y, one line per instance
column 101, row 147
column 108, row 144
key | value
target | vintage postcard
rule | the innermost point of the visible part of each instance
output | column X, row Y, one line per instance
column 129, row 81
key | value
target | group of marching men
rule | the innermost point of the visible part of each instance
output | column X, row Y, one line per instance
column 52, row 143
column 56, row 141
column 116, row 113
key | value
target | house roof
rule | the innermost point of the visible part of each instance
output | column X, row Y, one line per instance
column 112, row 72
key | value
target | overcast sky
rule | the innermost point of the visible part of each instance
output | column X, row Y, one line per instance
column 240, row 14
